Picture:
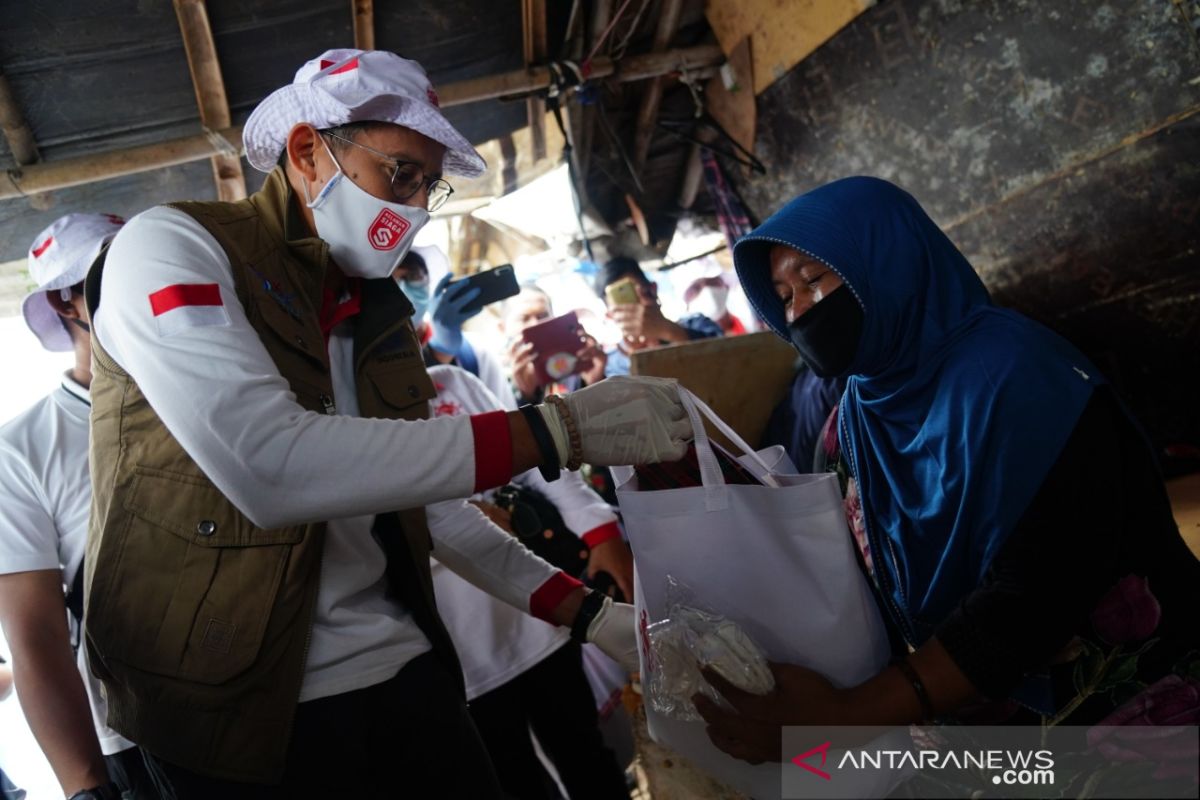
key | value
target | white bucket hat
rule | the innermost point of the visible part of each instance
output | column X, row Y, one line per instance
column 343, row 86
column 59, row 258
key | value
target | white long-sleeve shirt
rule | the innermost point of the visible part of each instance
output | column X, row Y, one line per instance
column 495, row 643
column 212, row 383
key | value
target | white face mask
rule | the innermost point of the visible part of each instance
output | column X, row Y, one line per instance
column 710, row 302
column 367, row 236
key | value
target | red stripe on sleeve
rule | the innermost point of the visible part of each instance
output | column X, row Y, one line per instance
column 547, row 596
column 185, row 294
column 606, row 532
column 493, row 450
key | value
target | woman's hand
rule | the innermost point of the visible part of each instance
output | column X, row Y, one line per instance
column 753, row 731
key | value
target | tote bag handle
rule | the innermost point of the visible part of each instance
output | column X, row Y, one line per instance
column 715, row 496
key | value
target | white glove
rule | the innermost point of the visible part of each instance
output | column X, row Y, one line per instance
column 614, row 630
column 623, row 421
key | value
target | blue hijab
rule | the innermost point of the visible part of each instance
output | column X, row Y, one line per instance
column 954, row 410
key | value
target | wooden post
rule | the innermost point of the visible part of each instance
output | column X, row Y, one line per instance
column 668, row 23
column 210, row 92
column 533, row 17
column 364, row 24
column 16, row 129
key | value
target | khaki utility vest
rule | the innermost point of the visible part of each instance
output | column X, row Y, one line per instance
column 197, row 621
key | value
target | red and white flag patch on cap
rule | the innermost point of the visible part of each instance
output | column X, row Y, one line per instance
column 43, row 247
column 188, row 305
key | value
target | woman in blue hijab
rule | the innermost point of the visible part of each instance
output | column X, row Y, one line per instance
column 1014, row 524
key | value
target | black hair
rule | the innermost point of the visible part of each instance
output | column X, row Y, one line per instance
column 616, row 269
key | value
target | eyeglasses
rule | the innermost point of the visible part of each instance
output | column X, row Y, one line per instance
column 408, row 178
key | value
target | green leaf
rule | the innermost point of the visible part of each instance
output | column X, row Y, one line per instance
column 1188, row 666
column 1120, row 671
column 1120, row 695
column 1088, row 668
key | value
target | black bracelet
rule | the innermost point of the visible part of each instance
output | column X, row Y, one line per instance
column 550, row 467
column 918, row 688
column 592, row 603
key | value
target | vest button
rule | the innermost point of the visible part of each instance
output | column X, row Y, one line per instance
column 206, row 527
column 299, row 341
column 413, row 391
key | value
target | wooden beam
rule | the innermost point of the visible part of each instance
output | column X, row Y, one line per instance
column 45, row 177
column 16, row 129
column 48, row 176
column 364, row 24
column 533, row 18
column 210, row 91
column 668, row 24
column 631, row 68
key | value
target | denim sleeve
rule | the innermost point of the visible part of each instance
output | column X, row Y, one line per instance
column 700, row 327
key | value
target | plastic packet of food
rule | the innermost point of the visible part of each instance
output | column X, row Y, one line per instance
column 692, row 638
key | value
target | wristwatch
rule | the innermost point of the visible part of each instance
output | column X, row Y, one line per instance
column 105, row 791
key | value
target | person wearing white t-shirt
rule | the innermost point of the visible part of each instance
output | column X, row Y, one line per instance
column 44, row 497
column 521, row 673
column 274, row 495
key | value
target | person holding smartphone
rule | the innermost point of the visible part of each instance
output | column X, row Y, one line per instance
column 632, row 301
column 533, row 307
column 440, row 309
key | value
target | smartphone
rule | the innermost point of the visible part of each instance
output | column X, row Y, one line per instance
column 556, row 342
column 494, row 285
column 622, row 293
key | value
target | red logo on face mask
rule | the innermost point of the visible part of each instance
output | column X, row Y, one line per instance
column 387, row 230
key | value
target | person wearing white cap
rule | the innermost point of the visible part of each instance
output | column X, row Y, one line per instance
column 260, row 606
column 44, row 498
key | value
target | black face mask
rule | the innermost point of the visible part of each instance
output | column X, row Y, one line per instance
column 827, row 333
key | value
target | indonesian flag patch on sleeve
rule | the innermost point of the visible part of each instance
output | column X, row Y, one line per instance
column 188, row 305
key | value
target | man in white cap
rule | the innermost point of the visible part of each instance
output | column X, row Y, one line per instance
column 260, row 607
column 44, row 499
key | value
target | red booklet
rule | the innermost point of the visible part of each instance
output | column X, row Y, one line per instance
column 556, row 342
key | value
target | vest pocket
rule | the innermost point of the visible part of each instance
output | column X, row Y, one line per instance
column 400, row 387
column 198, row 581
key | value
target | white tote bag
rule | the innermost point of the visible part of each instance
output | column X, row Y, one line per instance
column 776, row 559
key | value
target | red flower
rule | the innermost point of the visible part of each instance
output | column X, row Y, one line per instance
column 1128, row 613
column 1155, row 726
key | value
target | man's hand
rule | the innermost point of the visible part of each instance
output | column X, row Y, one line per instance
column 623, row 420
column 643, row 325
column 524, row 375
column 34, row 617
column 613, row 557
column 447, row 314
column 592, row 361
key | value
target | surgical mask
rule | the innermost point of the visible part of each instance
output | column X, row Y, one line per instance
column 827, row 333
column 418, row 295
column 710, row 302
column 367, row 237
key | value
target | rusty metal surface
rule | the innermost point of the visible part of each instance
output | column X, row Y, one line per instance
column 1058, row 143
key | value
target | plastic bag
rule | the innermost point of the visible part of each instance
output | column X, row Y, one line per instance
column 690, row 639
